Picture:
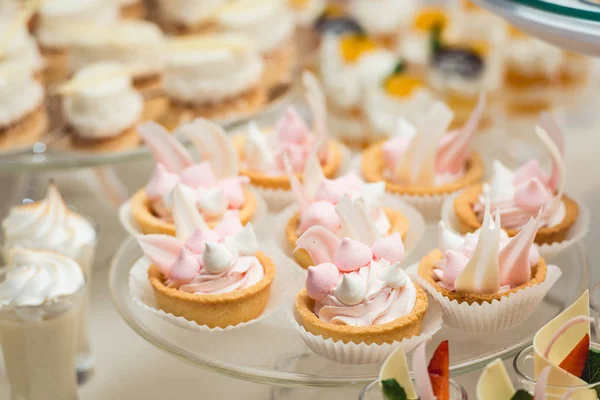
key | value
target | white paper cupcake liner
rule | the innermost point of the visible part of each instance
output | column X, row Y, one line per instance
column 416, row 224
column 130, row 225
column 576, row 233
column 497, row 316
column 353, row 353
column 286, row 279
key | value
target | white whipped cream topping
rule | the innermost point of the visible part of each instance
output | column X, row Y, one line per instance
column 530, row 56
column 38, row 277
column 415, row 47
column 344, row 83
column 383, row 110
column 270, row 24
column 48, row 226
column 211, row 75
column 138, row 45
column 21, row 51
column 20, row 94
column 382, row 16
column 307, row 15
column 189, row 12
column 55, row 17
column 106, row 109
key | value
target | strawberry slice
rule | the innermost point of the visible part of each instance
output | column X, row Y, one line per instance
column 574, row 362
column 439, row 371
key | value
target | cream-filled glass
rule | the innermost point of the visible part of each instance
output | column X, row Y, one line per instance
column 40, row 301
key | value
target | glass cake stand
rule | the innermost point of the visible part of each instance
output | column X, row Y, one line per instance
column 272, row 352
column 570, row 24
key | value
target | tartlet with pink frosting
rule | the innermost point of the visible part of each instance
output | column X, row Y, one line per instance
column 357, row 291
column 487, row 281
column 213, row 185
column 317, row 198
column 261, row 152
column 410, row 163
column 525, row 192
column 215, row 277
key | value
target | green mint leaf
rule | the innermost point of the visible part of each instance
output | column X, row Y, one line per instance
column 521, row 395
column 435, row 40
column 591, row 372
column 393, row 390
column 400, row 67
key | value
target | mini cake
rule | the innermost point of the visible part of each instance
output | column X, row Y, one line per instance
column 139, row 45
column 466, row 60
column 524, row 193
column 53, row 30
column 306, row 13
column 401, row 93
column 430, row 381
column 101, row 108
column 132, row 9
column 23, row 115
column 213, row 76
column 216, row 278
column 385, row 20
column 185, row 17
column 410, row 165
column 318, row 197
column 261, row 153
column 270, row 24
column 350, row 63
column 357, row 291
column 18, row 48
column 212, row 186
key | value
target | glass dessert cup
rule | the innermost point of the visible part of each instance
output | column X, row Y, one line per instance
column 373, row 391
column 38, row 343
column 523, row 364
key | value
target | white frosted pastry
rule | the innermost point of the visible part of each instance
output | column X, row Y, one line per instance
column 212, row 68
column 382, row 17
column 20, row 94
column 529, row 56
column 269, row 23
column 137, row 44
column 19, row 49
column 104, row 109
column 55, row 18
column 47, row 225
column 189, row 13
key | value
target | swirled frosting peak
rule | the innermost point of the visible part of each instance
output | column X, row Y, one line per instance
column 353, row 286
column 215, row 185
column 34, row 278
column 48, row 225
column 486, row 261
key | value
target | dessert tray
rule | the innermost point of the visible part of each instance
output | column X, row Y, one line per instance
column 571, row 24
column 270, row 351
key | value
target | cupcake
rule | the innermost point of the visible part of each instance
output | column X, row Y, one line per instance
column 139, row 45
column 356, row 290
column 217, row 278
column 212, row 186
column 101, row 108
column 385, row 20
column 53, row 30
column 350, row 63
column 132, row 9
column 185, row 17
column 400, row 94
column 486, row 281
column 317, row 198
column 270, row 25
column 306, row 13
column 213, row 76
column 521, row 194
column 261, row 153
column 411, row 166
column 467, row 59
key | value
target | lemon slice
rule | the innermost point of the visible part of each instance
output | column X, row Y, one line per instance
column 494, row 382
column 395, row 367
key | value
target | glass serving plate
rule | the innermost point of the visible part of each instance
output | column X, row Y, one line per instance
column 41, row 156
column 571, row 24
column 272, row 352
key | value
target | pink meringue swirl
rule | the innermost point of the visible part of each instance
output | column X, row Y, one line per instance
column 354, row 284
column 208, row 262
